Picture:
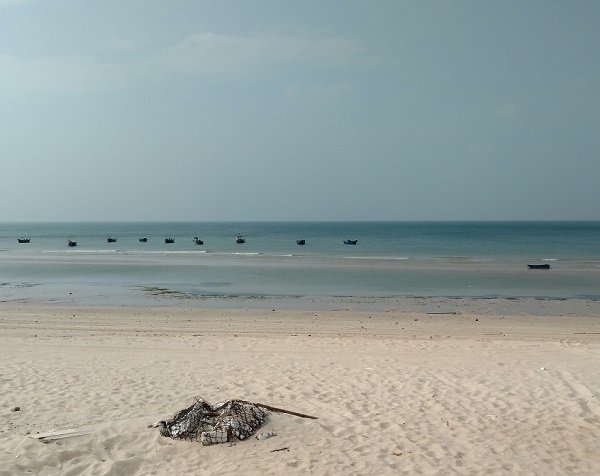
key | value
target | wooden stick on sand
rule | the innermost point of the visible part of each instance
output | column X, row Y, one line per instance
column 281, row 410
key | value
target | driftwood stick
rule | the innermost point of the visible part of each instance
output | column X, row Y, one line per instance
column 281, row 449
column 281, row 410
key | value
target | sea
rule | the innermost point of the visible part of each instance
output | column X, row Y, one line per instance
column 390, row 260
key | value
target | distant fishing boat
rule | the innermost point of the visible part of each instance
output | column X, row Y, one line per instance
column 169, row 240
column 71, row 243
column 300, row 242
column 350, row 242
column 198, row 241
column 539, row 266
column 23, row 240
column 240, row 239
column 111, row 240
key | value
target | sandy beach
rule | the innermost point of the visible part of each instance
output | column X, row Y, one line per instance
column 430, row 390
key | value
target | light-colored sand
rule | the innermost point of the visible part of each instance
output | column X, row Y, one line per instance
column 395, row 392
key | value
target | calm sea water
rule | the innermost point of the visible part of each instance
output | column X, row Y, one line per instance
column 451, row 259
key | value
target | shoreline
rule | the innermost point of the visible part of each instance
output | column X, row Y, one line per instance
column 420, row 391
column 407, row 324
column 146, row 296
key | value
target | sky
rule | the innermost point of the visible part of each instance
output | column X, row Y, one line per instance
column 235, row 110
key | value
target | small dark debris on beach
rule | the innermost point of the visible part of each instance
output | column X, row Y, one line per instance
column 286, row 448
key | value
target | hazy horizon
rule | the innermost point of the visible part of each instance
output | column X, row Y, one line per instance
column 344, row 110
column 58, row 222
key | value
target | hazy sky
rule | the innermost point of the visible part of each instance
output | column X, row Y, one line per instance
column 299, row 110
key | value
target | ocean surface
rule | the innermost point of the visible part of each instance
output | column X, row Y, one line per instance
column 390, row 259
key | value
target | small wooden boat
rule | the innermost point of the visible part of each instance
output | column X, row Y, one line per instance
column 300, row 242
column 539, row 266
column 169, row 240
column 350, row 242
column 23, row 240
column 240, row 239
column 111, row 240
column 143, row 240
column 198, row 241
column 71, row 243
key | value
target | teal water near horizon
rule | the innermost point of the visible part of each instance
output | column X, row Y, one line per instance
column 442, row 259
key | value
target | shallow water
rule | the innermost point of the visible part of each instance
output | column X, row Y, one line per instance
column 390, row 260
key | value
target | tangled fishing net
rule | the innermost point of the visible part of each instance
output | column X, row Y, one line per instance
column 211, row 424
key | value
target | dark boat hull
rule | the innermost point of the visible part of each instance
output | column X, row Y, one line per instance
column 538, row 266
